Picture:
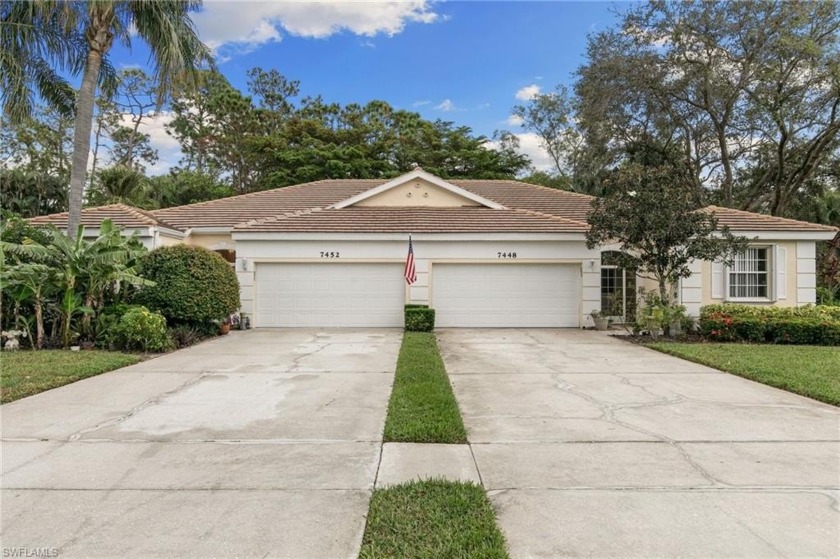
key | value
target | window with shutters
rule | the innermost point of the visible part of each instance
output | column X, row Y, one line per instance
column 749, row 276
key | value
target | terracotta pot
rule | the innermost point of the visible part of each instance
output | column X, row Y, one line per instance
column 224, row 329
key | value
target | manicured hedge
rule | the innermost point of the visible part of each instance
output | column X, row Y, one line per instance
column 192, row 285
column 808, row 325
column 419, row 318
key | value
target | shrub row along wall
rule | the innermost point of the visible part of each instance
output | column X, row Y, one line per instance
column 809, row 325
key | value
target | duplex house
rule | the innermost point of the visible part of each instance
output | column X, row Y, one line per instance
column 488, row 253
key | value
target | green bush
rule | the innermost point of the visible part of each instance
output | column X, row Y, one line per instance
column 419, row 319
column 141, row 329
column 804, row 331
column 655, row 314
column 828, row 296
column 193, row 285
column 751, row 329
column 768, row 312
column 808, row 325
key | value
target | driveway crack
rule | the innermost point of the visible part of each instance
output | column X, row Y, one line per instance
column 145, row 404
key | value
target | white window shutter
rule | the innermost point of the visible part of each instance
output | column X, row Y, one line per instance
column 717, row 280
column 781, row 272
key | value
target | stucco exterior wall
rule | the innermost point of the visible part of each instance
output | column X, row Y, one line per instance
column 417, row 192
column 166, row 240
column 427, row 252
column 211, row 241
column 145, row 235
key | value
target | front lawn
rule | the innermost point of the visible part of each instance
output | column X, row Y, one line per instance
column 431, row 519
column 422, row 407
column 24, row 373
column 812, row 371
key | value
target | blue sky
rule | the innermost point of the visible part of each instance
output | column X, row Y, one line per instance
column 468, row 62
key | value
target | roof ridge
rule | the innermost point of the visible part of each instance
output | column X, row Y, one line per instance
column 252, row 194
column 157, row 220
column 148, row 219
column 278, row 217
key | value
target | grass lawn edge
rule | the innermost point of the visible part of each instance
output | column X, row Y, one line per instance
column 808, row 383
column 27, row 373
column 422, row 407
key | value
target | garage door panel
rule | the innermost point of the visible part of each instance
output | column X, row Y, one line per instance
column 506, row 295
column 329, row 295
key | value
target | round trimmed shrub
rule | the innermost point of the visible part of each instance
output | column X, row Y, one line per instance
column 192, row 285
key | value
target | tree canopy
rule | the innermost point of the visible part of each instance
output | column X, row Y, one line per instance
column 654, row 215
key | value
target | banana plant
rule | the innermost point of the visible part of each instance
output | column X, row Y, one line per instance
column 70, row 306
column 82, row 267
column 34, row 282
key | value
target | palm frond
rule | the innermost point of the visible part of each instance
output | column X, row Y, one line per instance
column 177, row 54
column 38, row 40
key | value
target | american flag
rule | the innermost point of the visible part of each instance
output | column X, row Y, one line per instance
column 410, row 272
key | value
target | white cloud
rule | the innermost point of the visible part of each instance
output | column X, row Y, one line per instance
column 421, row 103
column 528, row 92
column 515, row 120
column 446, row 106
column 244, row 26
column 169, row 150
column 449, row 106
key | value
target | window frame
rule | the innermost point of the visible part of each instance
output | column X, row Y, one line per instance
column 770, row 272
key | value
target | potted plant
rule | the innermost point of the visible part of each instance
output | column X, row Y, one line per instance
column 224, row 326
column 601, row 320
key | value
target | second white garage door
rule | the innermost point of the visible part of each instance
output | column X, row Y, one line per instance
column 506, row 295
column 329, row 295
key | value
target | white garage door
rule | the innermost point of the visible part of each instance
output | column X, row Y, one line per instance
column 506, row 295
column 329, row 295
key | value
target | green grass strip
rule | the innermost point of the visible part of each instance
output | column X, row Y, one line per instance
column 24, row 373
column 812, row 371
column 432, row 519
column 422, row 407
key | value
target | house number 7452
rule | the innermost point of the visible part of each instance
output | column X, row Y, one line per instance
column 330, row 254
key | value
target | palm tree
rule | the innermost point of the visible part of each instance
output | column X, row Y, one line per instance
column 165, row 25
column 119, row 185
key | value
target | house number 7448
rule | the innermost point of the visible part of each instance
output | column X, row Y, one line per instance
column 330, row 254
column 506, row 254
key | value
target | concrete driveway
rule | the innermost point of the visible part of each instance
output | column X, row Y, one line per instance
column 263, row 443
column 590, row 446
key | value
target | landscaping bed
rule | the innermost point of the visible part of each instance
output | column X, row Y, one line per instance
column 431, row 519
column 812, row 371
column 25, row 373
column 422, row 408
column 806, row 325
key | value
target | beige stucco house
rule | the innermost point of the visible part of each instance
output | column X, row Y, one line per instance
column 489, row 253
